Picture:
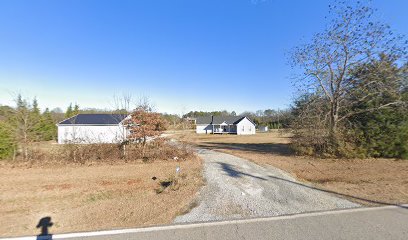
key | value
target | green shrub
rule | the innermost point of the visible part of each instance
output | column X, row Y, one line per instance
column 7, row 143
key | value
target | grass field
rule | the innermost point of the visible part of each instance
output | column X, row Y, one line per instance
column 95, row 197
column 367, row 181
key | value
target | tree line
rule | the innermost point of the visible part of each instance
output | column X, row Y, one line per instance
column 353, row 95
column 272, row 118
column 25, row 123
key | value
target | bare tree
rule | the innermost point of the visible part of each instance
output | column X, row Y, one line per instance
column 146, row 104
column 352, row 38
column 25, row 124
column 123, row 103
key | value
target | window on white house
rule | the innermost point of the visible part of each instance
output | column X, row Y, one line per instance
column 243, row 128
column 250, row 128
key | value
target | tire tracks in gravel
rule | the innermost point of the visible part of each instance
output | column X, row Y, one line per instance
column 237, row 188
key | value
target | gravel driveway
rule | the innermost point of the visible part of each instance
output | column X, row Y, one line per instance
column 238, row 188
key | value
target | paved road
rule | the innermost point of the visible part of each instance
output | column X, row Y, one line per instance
column 364, row 224
column 237, row 188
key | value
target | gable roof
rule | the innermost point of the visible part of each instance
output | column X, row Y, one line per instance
column 204, row 120
column 94, row 119
column 220, row 119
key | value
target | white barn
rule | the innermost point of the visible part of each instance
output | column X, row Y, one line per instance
column 239, row 125
column 92, row 128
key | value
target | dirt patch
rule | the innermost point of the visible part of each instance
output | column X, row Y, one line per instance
column 57, row 186
column 134, row 181
column 85, row 198
column 366, row 181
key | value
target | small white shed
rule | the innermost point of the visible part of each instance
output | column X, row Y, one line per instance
column 92, row 128
column 263, row 128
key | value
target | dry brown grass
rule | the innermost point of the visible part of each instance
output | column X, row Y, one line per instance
column 49, row 153
column 367, row 181
column 94, row 197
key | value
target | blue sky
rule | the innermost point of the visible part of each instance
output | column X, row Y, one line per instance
column 183, row 55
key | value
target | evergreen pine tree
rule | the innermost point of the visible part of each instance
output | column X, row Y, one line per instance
column 48, row 128
column 76, row 110
column 7, row 141
column 36, row 121
column 69, row 112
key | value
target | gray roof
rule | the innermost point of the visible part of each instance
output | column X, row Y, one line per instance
column 94, row 119
column 220, row 119
column 203, row 120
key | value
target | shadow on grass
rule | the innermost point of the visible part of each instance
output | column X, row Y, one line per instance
column 235, row 173
column 273, row 148
column 43, row 225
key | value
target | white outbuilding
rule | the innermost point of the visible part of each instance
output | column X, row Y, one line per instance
column 239, row 125
column 92, row 128
column 263, row 128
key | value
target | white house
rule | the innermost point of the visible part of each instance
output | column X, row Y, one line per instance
column 92, row 128
column 239, row 125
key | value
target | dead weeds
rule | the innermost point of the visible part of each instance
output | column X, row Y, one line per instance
column 94, row 197
column 366, row 181
column 47, row 153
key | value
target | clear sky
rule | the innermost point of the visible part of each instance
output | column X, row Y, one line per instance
column 182, row 54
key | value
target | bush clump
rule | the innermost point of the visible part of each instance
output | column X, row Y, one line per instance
column 159, row 149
